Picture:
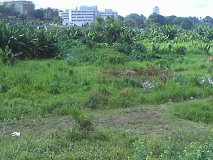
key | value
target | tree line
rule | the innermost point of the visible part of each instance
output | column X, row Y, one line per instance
column 140, row 21
column 133, row 20
column 38, row 14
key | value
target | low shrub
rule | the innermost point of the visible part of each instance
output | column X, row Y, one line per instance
column 180, row 50
column 84, row 123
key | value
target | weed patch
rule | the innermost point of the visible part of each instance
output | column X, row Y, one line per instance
column 197, row 111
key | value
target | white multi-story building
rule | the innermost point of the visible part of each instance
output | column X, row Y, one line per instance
column 108, row 12
column 156, row 10
column 65, row 16
column 85, row 15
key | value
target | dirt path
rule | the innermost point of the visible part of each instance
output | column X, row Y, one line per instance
column 151, row 120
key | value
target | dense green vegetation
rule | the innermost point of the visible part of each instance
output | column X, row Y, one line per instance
column 124, row 91
column 26, row 44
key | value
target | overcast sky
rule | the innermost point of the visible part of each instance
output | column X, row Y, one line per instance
column 184, row 8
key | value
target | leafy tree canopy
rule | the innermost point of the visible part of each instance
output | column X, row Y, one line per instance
column 157, row 19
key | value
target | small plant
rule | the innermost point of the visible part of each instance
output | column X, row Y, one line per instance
column 163, row 63
column 205, row 48
column 156, row 48
column 140, row 47
column 73, row 62
column 7, row 56
column 123, row 48
column 97, row 100
column 181, row 50
column 83, row 122
column 202, row 66
column 116, row 59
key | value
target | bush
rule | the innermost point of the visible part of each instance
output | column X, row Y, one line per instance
column 24, row 43
column 80, row 118
column 150, row 56
column 180, row 50
column 96, row 101
column 7, row 57
column 163, row 63
column 116, row 59
column 140, row 47
column 123, row 48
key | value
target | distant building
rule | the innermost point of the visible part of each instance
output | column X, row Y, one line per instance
column 84, row 15
column 20, row 6
column 156, row 10
column 108, row 12
column 66, row 17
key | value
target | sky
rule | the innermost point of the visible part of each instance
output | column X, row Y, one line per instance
column 183, row 8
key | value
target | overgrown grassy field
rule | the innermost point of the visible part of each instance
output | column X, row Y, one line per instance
column 51, row 87
column 36, row 94
column 106, row 92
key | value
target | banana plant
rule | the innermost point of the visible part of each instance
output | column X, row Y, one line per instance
column 7, row 57
column 74, row 32
column 205, row 48
column 127, row 36
column 30, row 42
column 90, row 39
column 112, row 31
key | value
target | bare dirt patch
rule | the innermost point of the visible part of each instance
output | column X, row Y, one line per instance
column 36, row 127
column 149, row 72
column 136, row 117
column 151, row 121
column 210, row 59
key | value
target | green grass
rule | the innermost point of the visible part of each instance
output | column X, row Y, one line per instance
column 196, row 110
column 51, row 87
column 178, row 147
column 73, row 144
column 105, row 144
column 117, row 134
column 111, row 88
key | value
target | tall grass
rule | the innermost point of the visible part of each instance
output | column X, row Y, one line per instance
column 52, row 87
